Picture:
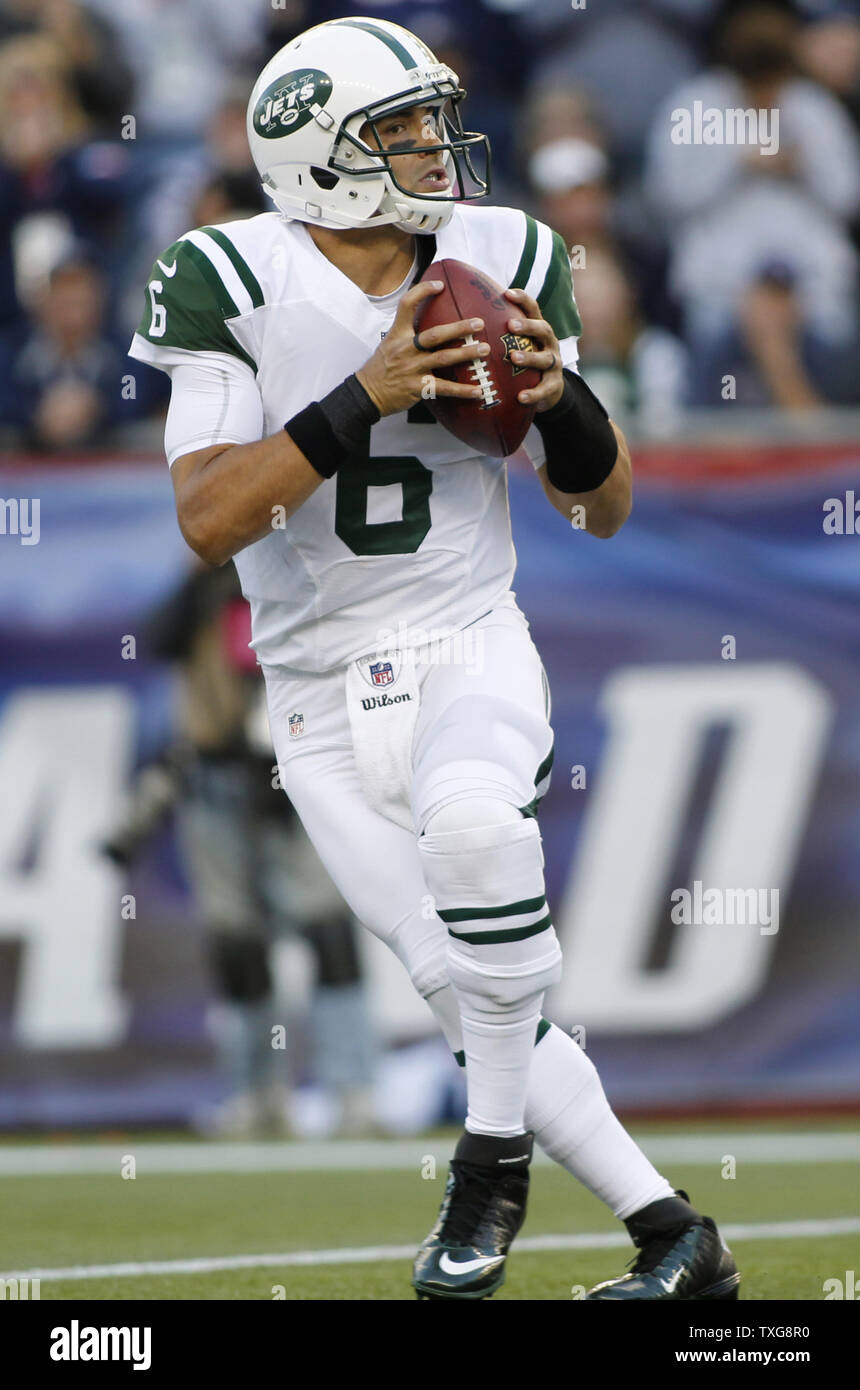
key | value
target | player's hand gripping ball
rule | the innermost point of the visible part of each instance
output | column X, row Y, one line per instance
column 498, row 423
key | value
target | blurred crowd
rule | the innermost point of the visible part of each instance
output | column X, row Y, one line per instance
column 705, row 272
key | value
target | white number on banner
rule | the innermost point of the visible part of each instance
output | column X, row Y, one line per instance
column 63, row 759
column 658, row 717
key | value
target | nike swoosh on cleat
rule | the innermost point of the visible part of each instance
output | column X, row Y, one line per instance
column 169, row 272
column 449, row 1266
column 671, row 1284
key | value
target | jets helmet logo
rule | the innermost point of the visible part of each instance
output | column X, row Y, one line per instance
column 290, row 102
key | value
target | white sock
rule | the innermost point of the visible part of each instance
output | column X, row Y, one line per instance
column 572, row 1120
column 502, row 953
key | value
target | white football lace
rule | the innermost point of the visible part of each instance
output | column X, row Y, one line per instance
column 481, row 376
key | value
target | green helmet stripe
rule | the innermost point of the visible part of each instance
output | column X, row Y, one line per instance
column 243, row 270
column 395, row 45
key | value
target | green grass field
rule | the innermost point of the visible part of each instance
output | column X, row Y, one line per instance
column 70, row 1220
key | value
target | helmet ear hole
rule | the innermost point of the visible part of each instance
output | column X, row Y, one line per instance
column 324, row 177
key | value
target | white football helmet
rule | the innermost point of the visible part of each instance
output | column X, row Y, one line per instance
column 312, row 99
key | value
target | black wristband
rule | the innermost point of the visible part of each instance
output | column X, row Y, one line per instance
column 328, row 431
column 580, row 443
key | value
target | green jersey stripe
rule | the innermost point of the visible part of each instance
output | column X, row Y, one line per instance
column 470, row 914
column 226, row 306
column 495, row 938
column 188, row 305
column 388, row 39
column 524, row 269
column 556, row 297
column 559, row 255
column 243, row 270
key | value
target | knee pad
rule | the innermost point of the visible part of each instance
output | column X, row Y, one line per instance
column 472, row 813
column 488, row 888
column 495, row 869
column 513, row 976
column 240, row 966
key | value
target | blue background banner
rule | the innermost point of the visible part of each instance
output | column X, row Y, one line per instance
column 704, row 669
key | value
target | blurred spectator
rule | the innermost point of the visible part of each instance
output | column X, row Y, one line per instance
column 62, row 385
column 571, row 176
column 183, row 54
column 46, row 164
column 101, row 78
column 633, row 368
column 759, row 244
column 254, row 875
column 216, row 182
column 829, row 53
column 557, row 113
column 625, row 59
column 281, row 23
column 227, row 198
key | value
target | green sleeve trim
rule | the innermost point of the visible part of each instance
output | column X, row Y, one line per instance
column 190, row 306
column 243, row 270
column 527, row 259
column 530, row 811
column 556, row 295
column 545, row 767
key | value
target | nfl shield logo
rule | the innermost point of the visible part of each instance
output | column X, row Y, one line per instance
column 297, row 725
column 381, row 673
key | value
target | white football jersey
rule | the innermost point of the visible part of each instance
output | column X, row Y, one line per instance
column 414, row 538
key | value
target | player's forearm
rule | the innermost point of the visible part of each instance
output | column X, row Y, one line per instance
column 609, row 506
column 228, row 498
column 603, row 511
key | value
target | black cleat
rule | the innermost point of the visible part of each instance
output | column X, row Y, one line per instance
column 483, row 1208
column 682, row 1256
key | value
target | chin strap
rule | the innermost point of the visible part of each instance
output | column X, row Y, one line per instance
column 420, row 222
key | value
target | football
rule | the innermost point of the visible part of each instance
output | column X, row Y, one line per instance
column 496, row 425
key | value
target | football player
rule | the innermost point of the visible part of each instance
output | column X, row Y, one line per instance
column 408, row 705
